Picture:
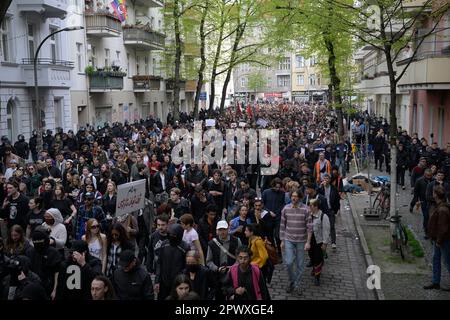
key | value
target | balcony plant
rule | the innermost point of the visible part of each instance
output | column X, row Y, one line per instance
column 90, row 70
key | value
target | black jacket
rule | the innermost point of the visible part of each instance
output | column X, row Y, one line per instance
column 171, row 262
column 156, row 185
column 403, row 158
column 323, row 204
column 198, row 208
column 69, row 269
column 134, row 285
column 154, row 245
column 203, row 230
column 420, row 190
column 16, row 211
column 378, row 144
column 335, row 199
column 203, row 283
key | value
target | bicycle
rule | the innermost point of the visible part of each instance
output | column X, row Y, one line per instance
column 399, row 234
column 382, row 201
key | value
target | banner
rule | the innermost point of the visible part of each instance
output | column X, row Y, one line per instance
column 120, row 9
column 130, row 197
column 210, row 122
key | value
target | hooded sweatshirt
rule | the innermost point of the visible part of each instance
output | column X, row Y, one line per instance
column 58, row 231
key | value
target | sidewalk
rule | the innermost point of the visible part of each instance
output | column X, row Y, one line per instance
column 344, row 273
column 399, row 280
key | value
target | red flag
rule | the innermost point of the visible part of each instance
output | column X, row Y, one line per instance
column 238, row 110
column 249, row 110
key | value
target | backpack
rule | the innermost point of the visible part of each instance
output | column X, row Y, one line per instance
column 272, row 252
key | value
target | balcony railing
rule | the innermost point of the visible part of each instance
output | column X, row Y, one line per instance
column 101, row 24
column 170, row 84
column 45, row 8
column 150, row 3
column 143, row 38
column 106, row 81
column 51, row 73
column 145, row 83
column 49, row 61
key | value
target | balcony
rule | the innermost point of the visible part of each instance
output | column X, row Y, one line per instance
column 102, row 25
column 44, row 8
column 149, row 3
column 170, row 84
column 50, row 73
column 191, row 86
column 191, row 49
column 103, row 81
column 146, row 83
column 142, row 38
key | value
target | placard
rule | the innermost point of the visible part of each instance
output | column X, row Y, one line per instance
column 130, row 197
column 210, row 122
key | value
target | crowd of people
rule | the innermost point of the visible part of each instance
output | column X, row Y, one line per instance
column 208, row 231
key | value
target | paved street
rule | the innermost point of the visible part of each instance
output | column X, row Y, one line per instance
column 398, row 275
column 343, row 275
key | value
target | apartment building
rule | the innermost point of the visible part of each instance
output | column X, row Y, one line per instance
column 423, row 93
column 27, row 23
column 276, row 80
column 119, row 73
column 308, row 84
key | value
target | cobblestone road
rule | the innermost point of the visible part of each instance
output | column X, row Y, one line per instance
column 343, row 276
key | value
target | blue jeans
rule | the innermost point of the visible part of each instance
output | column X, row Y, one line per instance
column 294, row 251
column 426, row 215
column 341, row 164
column 438, row 252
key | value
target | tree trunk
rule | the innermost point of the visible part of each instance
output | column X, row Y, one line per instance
column 176, row 87
column 336, row 84
column 239, row 33
column 202, row 67
column 215, row 62
column 3, row 8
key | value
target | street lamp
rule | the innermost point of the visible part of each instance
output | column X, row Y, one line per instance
column 36, row 88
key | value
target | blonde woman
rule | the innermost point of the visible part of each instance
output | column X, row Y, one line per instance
column 96, row 241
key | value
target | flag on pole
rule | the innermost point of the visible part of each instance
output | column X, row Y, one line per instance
column 120, row 9
column 249, row 110
column 238, row 109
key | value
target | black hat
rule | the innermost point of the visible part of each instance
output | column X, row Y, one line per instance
column 126, row 257
column 79, row 246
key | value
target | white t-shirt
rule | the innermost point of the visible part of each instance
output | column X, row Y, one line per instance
column 189, row 237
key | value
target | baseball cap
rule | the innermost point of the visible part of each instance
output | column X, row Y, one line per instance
column 222, row 224
column 126, row 257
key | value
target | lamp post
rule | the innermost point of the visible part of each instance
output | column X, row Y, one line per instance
column 36, row 87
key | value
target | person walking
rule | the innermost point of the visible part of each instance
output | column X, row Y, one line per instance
column 295, row 235
column 439, row 232
column 319, row 239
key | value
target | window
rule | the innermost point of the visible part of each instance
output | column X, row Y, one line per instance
column 146, row 65
column 285, row 64
column 152, row 22
column 79, row 57
column 159, row 24
column 107, row 58
column 118, row 56
column 312, row 80
column 299, row 61
column 300, row 79
column 138, row 62
column 318, row 80
column 283, row 81
column 269, row 81
column 53, row 45
column 154, row 66
column 5, row 45
column 128, row 64
column 244, row 82
column 30, row 41
column 93, row 60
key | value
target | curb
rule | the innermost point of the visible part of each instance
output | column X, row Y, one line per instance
column 362, row 240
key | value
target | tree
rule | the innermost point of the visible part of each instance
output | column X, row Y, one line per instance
column 256, row 81
column 4, row 5
column 391, row 26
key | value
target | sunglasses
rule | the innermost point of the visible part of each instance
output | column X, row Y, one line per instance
column 94, row 227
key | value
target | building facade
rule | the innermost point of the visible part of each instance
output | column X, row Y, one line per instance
column 423, row 93
column 26, row 24
column 275, row 80
column 307, row 82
